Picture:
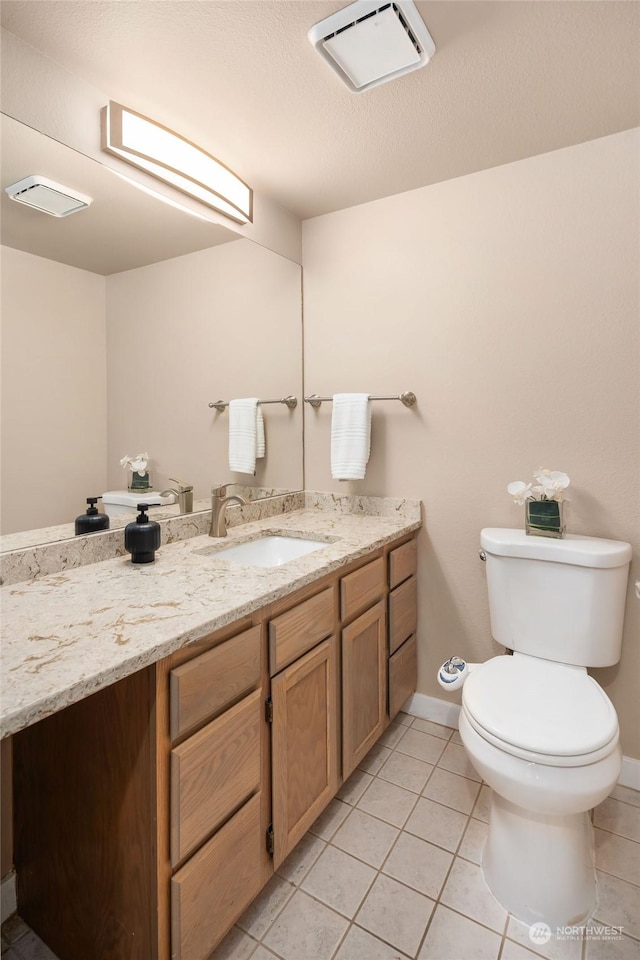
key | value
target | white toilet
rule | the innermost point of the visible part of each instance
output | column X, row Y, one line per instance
column 538, row 729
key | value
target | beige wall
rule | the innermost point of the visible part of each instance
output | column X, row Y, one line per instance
column 217, row 324
column 54, row 390
column 508, row 301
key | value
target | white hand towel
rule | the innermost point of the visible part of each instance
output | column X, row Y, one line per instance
column 246, row 434
column 350, row 435
column 260, row 442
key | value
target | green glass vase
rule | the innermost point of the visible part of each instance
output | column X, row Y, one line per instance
column 543, row 518
column 140, row 484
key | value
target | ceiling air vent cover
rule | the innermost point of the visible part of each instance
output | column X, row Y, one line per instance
column 48, row 196
column 369, row 43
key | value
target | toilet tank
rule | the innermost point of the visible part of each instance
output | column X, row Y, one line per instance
column 561, row 600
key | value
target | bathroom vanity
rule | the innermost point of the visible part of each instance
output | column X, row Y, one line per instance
column 150, row 813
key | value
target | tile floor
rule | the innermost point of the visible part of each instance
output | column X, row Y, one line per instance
column 390, row 871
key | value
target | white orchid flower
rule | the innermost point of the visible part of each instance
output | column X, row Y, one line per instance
column 560, row 480
column 553, row 482
column 520, row 491
column 550, row 486
column 138, row 464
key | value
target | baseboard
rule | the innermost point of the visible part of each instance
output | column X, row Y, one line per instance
column 432, row 708
column 441, row 711
column 630, row 775
column 8, row 903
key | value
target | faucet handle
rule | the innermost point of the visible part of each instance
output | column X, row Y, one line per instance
column 182, row 487
column 220, row 490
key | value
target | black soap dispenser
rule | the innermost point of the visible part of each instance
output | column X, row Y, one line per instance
column 142, row 537
column 92, row 521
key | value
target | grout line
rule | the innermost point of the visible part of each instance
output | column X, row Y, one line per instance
column 627, row 803
column 278, row 912
column 616, row 834
column 503, row 938
column 615, row 876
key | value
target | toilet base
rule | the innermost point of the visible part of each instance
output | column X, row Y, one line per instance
column 539, row 866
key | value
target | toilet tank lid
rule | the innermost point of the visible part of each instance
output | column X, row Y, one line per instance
column 582, row 551
column 124, row 498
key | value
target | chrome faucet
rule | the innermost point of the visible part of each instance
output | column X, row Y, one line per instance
column 219, row 502
column 184, row 493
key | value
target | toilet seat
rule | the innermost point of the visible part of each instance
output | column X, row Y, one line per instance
column 549, row 713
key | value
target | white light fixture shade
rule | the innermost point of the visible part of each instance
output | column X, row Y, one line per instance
column 47, row 196
column 176, row 161
column 369, row 43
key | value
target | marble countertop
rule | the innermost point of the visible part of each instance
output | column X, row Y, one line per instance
column 71, row 633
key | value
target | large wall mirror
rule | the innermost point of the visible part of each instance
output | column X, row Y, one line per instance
column 120, row 324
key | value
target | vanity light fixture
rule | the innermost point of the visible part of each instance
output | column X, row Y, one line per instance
column 163, row 198
column 369, row 43
column 46, row 195
column 169, row 157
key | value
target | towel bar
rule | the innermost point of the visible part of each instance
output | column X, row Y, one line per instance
column 408, row 398
column 291, row 402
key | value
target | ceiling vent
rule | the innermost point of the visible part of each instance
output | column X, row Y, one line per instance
column 369, row 43
column 48, row 196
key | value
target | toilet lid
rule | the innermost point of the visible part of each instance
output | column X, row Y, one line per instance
column 548, row 708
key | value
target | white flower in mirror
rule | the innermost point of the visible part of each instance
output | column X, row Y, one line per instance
column 137, row 464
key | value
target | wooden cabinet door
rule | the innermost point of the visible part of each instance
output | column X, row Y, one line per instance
column 364, row 685
column 304, row 744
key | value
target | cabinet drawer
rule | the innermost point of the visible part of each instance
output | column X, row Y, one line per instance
column 214, row 888
column 360, row 589
column 402, row 563
column 212, row 773
column 402, row 613
column 299, row 629
column 403, row 675
column 208, row 683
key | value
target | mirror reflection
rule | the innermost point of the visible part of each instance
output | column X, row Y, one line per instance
column 120, row 324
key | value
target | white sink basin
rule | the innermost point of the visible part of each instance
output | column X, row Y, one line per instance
column 269, row 551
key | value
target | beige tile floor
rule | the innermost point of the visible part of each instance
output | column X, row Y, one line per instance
column 391, row 871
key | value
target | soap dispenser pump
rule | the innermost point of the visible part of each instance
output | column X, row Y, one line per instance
column 142, row 537
column 92, row 521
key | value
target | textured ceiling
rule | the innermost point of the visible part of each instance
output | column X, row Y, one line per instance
column 509, row 80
